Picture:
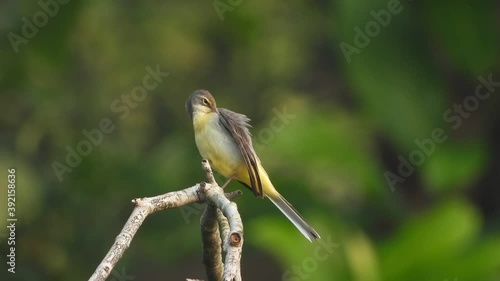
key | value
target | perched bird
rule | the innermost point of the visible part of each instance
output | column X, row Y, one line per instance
column 223, row 138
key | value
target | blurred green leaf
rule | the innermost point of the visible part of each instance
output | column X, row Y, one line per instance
column 362, row 258
column 455, row 165
column 299, row 258
column 429, row 240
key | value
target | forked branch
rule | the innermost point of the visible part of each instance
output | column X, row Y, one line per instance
column 221, row 219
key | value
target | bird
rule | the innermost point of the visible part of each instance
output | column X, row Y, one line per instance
column 223, row 138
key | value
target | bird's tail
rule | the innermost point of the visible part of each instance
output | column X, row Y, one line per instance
column 289, row 211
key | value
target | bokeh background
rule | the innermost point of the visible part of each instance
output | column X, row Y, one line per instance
column 349, row 121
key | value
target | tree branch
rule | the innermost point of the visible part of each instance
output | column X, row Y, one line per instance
column 233, row 242
column 212, row 258
column 211, row 193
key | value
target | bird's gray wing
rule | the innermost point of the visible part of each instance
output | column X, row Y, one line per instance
column 237, row 125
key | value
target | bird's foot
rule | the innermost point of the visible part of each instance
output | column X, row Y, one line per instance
column 228, row 181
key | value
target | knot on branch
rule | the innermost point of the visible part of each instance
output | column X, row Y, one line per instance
column 235, row 239
column 136, row 201
column 205, row 187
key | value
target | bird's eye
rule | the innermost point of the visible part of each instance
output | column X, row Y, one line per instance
column 206, row 102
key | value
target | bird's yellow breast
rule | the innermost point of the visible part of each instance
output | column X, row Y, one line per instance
column 216, row 144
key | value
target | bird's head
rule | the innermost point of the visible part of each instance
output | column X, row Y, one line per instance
column 200, row 102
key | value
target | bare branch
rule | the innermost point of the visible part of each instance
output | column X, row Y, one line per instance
column 212, row 258
column 143, row 208
column 223, row 225
column 208, row 172
column 232, row 236
column 232, row 243
column 233, row 194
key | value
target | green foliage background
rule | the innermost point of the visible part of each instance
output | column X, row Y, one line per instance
column 351, row 122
